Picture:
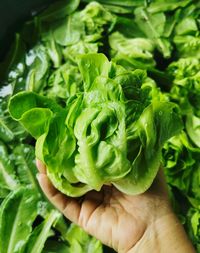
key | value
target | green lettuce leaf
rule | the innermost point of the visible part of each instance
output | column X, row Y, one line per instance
column 134, row 52
column 181, row 164
column 186, row 92
column 153, row 25
column 156, row 125
column 38, row 63
column 24, row 159
column 17, row 214
column 193, row 128
column 64, row 82
column 160, row 5
column 41, row 233
column 8, row 178
column 81, row 242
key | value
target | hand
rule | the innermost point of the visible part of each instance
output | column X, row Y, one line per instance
column 125, row 223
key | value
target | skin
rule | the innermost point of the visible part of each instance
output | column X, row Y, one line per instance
column 129, row 224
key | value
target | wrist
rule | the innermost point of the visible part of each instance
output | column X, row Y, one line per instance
column 164, row 235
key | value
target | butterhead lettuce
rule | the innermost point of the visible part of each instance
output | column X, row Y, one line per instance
column 111, row 132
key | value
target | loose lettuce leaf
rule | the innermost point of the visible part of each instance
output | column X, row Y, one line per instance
column 186, row 92
column 135, row 52
column 82, row 47
column 41, row 233
column 186, row 26
column 160, row 5
column 153, row 25
column 53, row 50
column 188, row 45
column 85, row 145
column 81, row 242
column 195, row 223
column 24, row 159
column 17, row 214
column 64, row 82
column 6, row 133
column 8, row 179
column 181, row 163
column 69, row 30
column 193, row 226
column 193, row 128
column 58, row 10
column 87, row 25
column 187, row 39
column 38, row 63
column 10, row 130
column 98, row 21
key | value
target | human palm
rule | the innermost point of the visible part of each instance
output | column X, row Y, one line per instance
column 117, row 219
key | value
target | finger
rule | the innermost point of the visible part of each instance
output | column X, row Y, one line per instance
column 91, row 201
column 70, row 207
column 41, row 167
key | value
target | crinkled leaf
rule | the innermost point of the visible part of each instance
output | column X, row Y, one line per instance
column 155, row 126
column 65, row 82
column 135, row 51
column 86, row 145
column 92, row 66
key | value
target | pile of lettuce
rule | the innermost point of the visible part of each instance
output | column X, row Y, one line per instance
column 101, row 86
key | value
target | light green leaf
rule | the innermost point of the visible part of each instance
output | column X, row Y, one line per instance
column 69, row 30
column 92, row 66
column 79, row 241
